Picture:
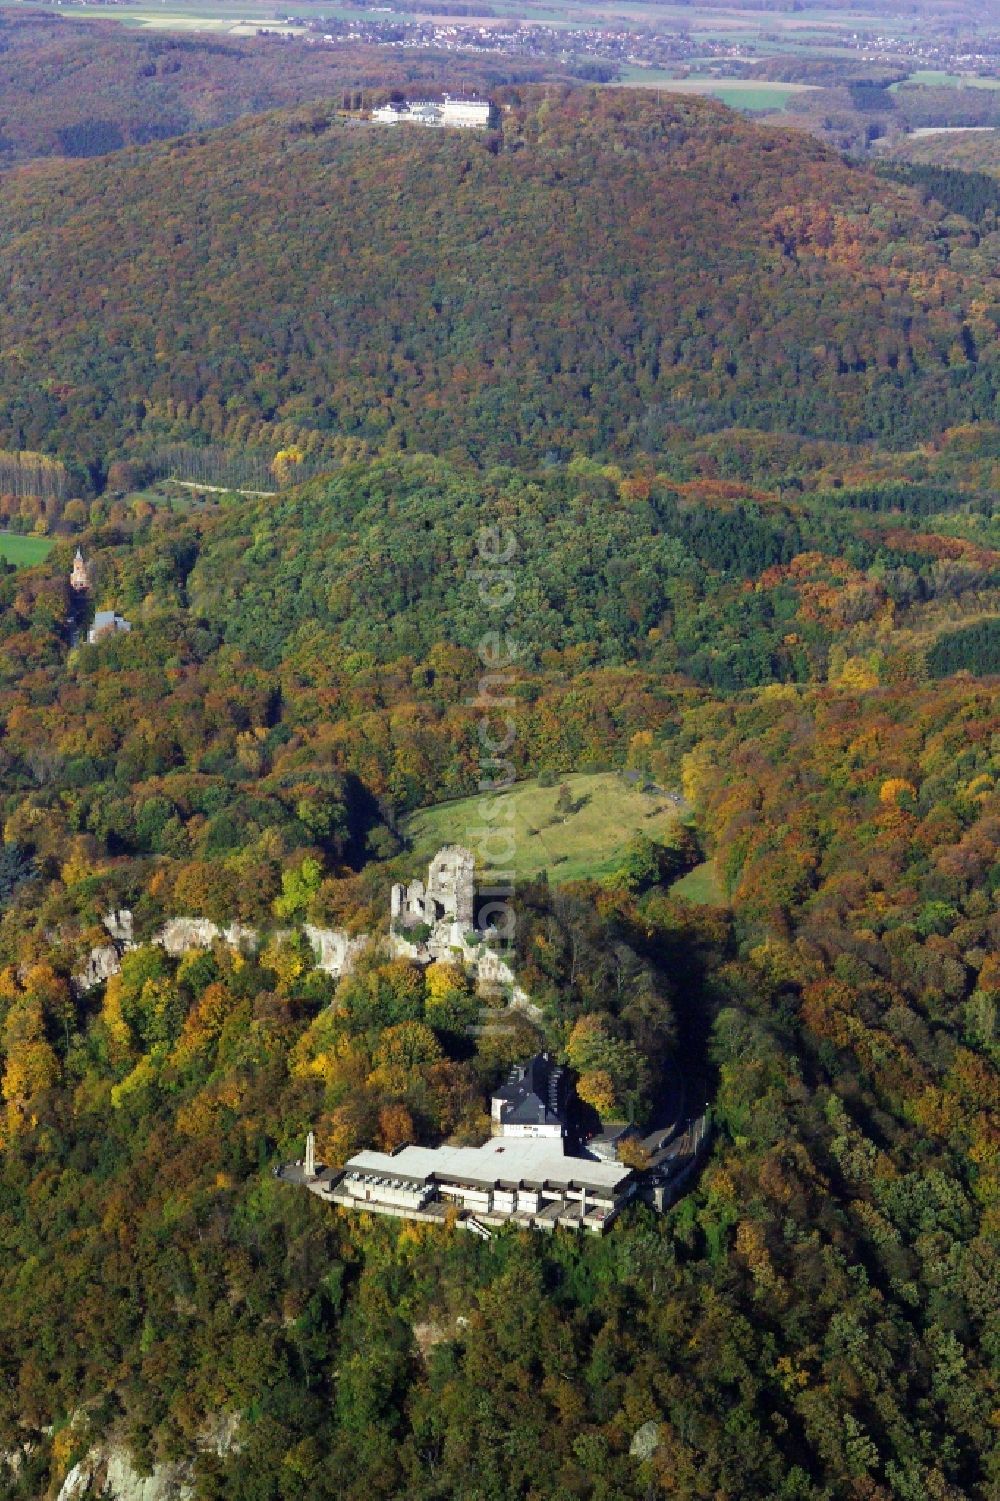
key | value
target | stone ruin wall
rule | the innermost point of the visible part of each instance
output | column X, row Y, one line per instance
column 335, row 951
column 446, row 904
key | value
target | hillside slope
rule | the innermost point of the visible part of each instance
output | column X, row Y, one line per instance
column 84, row 88
column 616, row 268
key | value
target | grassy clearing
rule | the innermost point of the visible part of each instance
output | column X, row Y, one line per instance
column 23, row 552
column 163, row 494
column 757, row 96
column 632, row 75
column 931, row 78
column 587, row 841
column 701, row 886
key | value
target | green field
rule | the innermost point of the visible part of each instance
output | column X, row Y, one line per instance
column 738, row 93
column 756, row 96
column 586, row 842
column 24, row 551
column 932, row 79
column 701, row 886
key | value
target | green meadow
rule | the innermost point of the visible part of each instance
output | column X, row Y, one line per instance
column 24, row 551
column 587, row 839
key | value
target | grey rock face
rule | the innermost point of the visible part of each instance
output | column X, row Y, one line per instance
column 645, row 1441
column 445, row 905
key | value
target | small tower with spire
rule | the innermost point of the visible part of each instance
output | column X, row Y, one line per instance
column 79, row 579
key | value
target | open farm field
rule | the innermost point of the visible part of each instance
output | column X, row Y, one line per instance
column 929, row 78
column 738, row 93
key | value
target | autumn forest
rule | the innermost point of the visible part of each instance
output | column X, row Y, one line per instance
column 733, row 404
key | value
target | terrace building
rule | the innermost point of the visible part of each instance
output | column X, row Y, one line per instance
column 530, row 1181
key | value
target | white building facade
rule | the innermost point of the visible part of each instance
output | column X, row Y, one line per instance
column 456, row 114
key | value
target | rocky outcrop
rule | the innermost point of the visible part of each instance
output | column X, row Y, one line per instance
column 181, row 934
column 446, row 940
column 645, row 1441
column 495, row 974
column 121, row 928
column 450, row 942
column 335, row 952
column 107, row 1470
column 102, row 962
column 13, row 1461
column 429, row 922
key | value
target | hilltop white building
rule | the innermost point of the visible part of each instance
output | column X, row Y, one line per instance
column 469, row 114
column 461, row 114
column 533, row 1182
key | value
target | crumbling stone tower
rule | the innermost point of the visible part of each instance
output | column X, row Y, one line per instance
column 451, row 886
column 448, row 897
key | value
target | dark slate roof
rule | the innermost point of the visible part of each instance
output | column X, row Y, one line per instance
column 534, row 1094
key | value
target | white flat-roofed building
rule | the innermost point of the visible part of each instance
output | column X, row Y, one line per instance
column 462, row 114
column 528, row 1177
column 404, row 1194
column 468, row 114
column 390, row 114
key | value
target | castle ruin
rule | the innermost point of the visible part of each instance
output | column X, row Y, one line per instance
column 448, row 897
column 429, row 920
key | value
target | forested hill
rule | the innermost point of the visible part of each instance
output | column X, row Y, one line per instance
column 83, row 88
column 611, row 270
column 815, row 1320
